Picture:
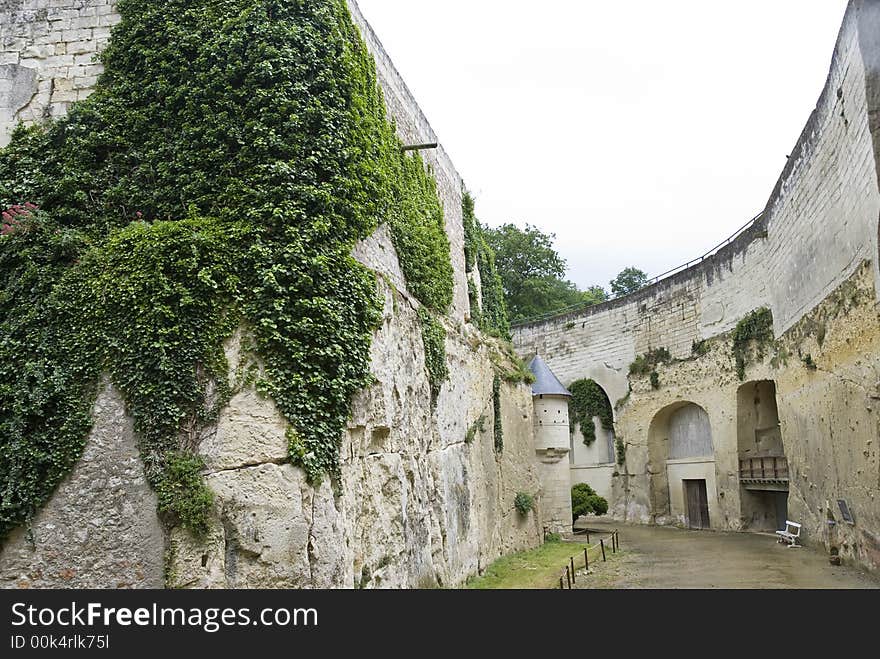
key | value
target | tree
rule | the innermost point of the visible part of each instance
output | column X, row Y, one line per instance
column 532, row 273
column 628, row 281
column 594, row 295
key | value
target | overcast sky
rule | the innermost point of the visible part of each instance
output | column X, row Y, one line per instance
column 640, row 132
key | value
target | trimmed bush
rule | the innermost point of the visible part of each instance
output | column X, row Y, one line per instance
column 584, row 501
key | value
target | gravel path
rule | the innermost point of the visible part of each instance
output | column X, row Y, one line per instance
column 664, row 557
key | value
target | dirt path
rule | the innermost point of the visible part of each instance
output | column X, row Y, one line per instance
column 663, row 557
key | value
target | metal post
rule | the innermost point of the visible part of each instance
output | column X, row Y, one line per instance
column 568, row 574
column 561, row 584
column 618, row 540
column 588, row 538
column 586, row 558
column 573, row 574
column 602, row 544
column 614, row 542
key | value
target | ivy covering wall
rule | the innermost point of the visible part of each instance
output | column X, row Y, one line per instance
column 488, row 311
column 588, row 400
column 232, row 154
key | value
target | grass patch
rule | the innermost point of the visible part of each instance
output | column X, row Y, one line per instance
column 534, row 569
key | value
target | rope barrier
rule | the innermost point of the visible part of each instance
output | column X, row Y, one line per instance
column 568, row 576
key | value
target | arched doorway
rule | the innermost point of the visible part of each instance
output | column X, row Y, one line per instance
column 682, row 466
column 763, row 467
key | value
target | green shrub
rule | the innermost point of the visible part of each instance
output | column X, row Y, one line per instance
column 585, row 501
column 524, row 503
column 645, row 364
column 751, row 337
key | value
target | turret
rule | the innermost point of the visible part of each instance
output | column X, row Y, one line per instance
column 552, row 444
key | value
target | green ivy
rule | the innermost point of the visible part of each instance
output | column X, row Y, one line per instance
column 477, row 426
column 755, row 330
column 233, row 153
column 647, row 363
column 496, row 408
column 474, row 301
column 524, row 503
column 620, row 446
column 419, row 235
column 489, row 313
column 588, row 400
column 434, row 339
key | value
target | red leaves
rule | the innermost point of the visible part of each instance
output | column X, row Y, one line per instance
column 12, row 217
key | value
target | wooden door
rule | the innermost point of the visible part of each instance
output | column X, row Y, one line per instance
column 697, row 504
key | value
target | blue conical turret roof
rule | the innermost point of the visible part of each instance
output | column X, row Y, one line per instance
column 545, row 384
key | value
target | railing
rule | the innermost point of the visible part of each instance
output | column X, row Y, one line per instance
column 568, row 577
column 768, row 468
column 651, row 282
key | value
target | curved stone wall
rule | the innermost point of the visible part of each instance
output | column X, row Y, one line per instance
column 812, row 260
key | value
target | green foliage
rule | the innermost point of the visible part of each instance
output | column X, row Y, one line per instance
column 700, row 348
column 472, row 231
column 489, row 313
column 183, row 495
column 751, row 337
column 496, row 409
column 231, row 156
column 585, row 501
column 474, row 302
column 477, row 426
column 809, row 363
column 647, row 363
column 552, row 537
column 434, row 338
column 524, row 503
column 628, row 281
column 655, row 380
column 530, row 270
column 419, row 235
column 620, row 448
column 589, row 400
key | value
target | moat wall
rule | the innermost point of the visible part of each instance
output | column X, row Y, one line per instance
column 417, row 504
column 812, row 259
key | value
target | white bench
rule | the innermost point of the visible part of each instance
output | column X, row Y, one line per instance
column 790, row 535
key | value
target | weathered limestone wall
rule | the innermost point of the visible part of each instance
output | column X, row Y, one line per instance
column 816, row 243
column 100, row 530
column 47, row 50
column 417, row 505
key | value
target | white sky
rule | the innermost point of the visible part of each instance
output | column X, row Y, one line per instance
column 640, row 132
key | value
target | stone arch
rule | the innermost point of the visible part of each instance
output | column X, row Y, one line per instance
column 681, row 455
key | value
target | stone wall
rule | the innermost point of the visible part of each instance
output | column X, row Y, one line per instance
column 100, row 529
column 417, row 504
column 814, row 248
column 47, row 56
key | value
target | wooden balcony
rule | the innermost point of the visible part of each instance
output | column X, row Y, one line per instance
column 765, row 473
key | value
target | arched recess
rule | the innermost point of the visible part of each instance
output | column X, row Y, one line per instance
column 595, row 446
column 763, row 467
column 592, row 455
column 681, row 466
